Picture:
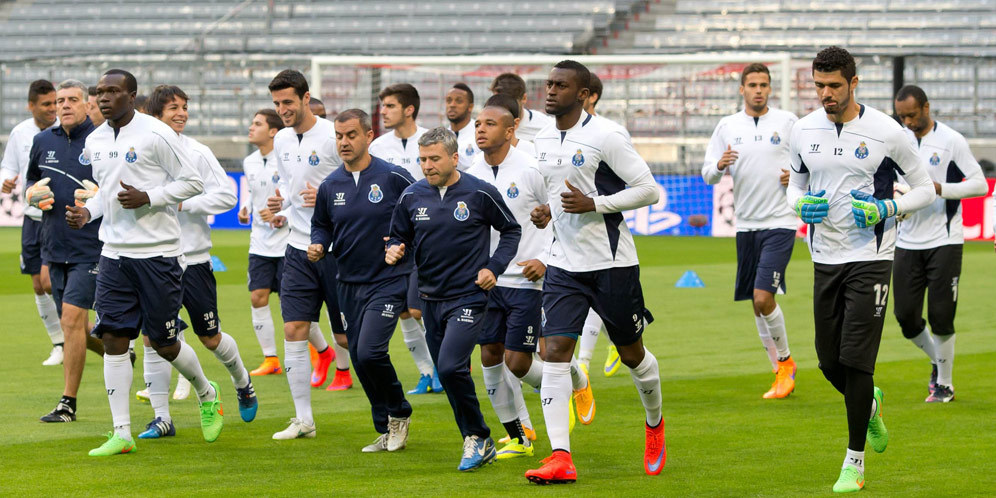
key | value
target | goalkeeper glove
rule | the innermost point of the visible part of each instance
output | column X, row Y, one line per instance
column 87, row 192
column 812, row 208
column 869, row 211
column 40, row 195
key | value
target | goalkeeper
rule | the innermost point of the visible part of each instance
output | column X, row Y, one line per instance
column 847, row 155
column 61, row 175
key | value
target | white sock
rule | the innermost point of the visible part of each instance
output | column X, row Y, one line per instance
column 648, row 382
column 414, row 335
column 945, row 345
column 297, row 364
column 499, row 392
column 50, row 317
column 262, row 323
column 776, row 329
column 157, row 377
column 341, row 356
column 926, row 342
column 534, row 377
column 189, row 366
column 227, row 353
column 767, row 341
column 589, row 336
column 578, row 379
column 118, row 373
column 316, row 338
column 556, row 396
column 515, row 385
column 855, row 458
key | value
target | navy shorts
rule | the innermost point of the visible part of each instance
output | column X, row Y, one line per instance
column 31, row 235
column 386, row 296
column 614, row 293
column 200, row 298
column 265, row 272
column 73, row 283
column 413, row 300
column 304, row 286
column 762, row 257
column 513, row 318
column 139, row 294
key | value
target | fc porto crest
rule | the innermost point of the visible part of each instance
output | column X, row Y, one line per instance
column 275, row 178
column 512, row 191
column 131, row 156
column 469, row 151
column 461, row 213
column 578, row 159
column 376, row 194
column 775, row 139
column 862, row 151
column 313, row 158
column 85, row 161
column 935, row 160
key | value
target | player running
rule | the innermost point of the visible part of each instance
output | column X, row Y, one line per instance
column 445, row 222
column 168, row 103
column 399, row 105
column 267, row 237
column 306, row 154
column 13, row 167
column 752, row 145
column 459, row 111
column 352, row 218
column 61, row 174
column 846, row 154
column 930, row 242
column 138, row 284
column 512, row 324
column 593, row 263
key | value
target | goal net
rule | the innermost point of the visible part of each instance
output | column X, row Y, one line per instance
column 669, row 103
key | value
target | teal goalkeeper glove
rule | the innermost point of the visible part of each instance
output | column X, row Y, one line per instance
column 812, row 208
column 869, row 211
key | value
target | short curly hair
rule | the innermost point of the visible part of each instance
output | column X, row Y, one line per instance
column 834, row 58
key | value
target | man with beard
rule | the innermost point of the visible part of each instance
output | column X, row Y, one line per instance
column 752, row 145
column 847, row 154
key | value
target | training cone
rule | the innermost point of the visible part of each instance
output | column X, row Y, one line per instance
column 217, row 265
column 689, row 279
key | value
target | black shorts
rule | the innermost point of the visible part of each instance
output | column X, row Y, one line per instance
column 31, row 242
column 513, row 318
column 304, row 286
column 265, row 272
column 762, row 257
column 614, row 293
column 73, row 283
column 200, row 298
column 849, row 307
column 936, row 271
column 139, row 294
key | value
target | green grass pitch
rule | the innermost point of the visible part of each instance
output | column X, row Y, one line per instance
column 723, row 439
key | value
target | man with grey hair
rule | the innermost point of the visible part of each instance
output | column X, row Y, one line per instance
column 59, row 174
column 447, row 219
